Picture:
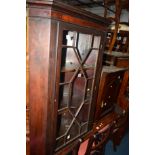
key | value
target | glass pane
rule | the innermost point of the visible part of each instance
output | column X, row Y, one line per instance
column 78, row 92
column 69, row 38
column 73, row 132
column 91, row 60
column 90, row 73
column 63, row 96
column 83, row 114
column 66, row 76
column 69, row 62
column 84, row 128
column 89, row 89
column 97, row 40
column 60, row 142
column 63, row 122
column 84, row 44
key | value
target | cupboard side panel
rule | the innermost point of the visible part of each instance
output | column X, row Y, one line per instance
column 51, row 116
column 38, row 47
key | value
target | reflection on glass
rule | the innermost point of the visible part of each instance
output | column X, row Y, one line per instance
column 78, row 91
column 69, row 38
column 90, row 73
column 84, row 44
column 97, row 40
column 68, row 60
column 68, row 57
column 63, row 96
column 91, row 60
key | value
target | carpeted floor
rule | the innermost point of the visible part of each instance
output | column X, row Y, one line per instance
column 122, row 149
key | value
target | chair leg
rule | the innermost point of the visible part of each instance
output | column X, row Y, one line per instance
column 89, row 146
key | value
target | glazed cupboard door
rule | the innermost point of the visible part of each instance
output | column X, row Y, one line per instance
column 77, row 60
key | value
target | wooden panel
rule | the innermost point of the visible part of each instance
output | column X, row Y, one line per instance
column 27, row 97
column 123, row 100
column 37, row 12
column 122, row 62
column 121, row 125
column 65, row 9
column 51, row 116
column 109, row 87
column 38, row 47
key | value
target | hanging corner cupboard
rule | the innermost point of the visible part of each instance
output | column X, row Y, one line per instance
column 65, row 46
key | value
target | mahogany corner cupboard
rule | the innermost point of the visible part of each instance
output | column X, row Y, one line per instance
column 65, row 46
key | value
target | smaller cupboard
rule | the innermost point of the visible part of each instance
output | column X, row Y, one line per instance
column 65, row 47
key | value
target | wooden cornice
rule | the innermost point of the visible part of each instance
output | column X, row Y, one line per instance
column 68, row 9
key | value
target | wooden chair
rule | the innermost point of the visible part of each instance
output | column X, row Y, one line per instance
column 97, row 142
